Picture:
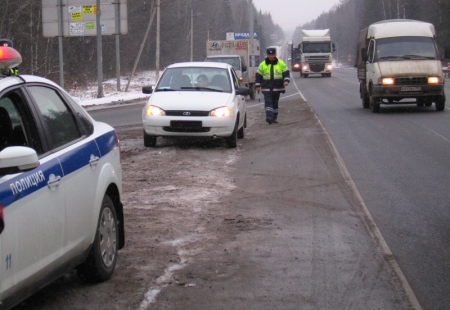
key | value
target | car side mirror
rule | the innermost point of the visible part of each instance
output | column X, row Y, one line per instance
column 15, row 159
column 147, row 89
column 243, row 91
column 333, row 46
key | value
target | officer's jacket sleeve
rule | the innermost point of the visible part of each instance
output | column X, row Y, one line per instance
column 258, row 77
column 286, row 74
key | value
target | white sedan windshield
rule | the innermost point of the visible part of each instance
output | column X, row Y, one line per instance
column 194, row 79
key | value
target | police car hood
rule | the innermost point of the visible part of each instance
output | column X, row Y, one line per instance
column 190, row 99
column 410, row 68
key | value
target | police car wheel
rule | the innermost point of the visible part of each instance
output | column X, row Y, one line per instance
column 102, row 259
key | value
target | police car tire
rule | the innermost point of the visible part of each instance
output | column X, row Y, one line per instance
column 99, row 267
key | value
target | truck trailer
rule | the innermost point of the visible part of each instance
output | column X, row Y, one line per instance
column 243, row 55
column 316, row 51
column 398, row 61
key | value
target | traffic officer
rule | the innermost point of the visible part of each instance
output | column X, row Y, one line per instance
column 272, row 77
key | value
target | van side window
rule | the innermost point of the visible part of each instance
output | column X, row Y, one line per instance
column 370, row 51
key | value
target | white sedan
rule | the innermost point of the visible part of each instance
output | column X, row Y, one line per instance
column 196, row 99
column 60, row 187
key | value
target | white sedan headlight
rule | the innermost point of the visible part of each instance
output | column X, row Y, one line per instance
column 154, row 111
column 222, row 111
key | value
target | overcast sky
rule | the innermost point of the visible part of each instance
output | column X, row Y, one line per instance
column 291, row 13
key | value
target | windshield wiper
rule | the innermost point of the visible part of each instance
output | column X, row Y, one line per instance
column 417, row 57
column 203, row 88
column 165, row 89
column 391, row 58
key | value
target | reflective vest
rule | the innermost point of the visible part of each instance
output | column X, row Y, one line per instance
column 271, row 76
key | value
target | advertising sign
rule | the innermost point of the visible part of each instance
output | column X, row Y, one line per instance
column 79, row 17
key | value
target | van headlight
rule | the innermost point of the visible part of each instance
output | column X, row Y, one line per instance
column 434, row 80
column 387, row 81
column 222, row 111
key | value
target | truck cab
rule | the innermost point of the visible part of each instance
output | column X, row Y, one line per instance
column 398, row 61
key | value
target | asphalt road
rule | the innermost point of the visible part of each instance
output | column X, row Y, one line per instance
column 399, row 161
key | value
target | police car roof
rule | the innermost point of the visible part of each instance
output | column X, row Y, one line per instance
column 8, row 81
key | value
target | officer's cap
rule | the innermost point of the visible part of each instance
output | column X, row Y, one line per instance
column 271, row 51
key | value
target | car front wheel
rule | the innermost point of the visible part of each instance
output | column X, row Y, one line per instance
column 232, row 140
column 149, row 141
column 102, row 259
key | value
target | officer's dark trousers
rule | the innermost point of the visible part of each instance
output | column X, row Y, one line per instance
column 271, row 104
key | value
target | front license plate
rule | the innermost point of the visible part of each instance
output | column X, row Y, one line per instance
column 411, row 88
column 186, row 124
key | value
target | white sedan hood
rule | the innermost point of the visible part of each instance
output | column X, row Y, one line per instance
column 190, row 100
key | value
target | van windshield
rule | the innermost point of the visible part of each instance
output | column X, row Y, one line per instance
column 233, row 61
column 406, row 48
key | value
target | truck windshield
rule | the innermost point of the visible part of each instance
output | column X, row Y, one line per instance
column 317, row 47
column 405, row 48
column 233, row 61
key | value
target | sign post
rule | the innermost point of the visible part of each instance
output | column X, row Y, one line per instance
column 72, row 18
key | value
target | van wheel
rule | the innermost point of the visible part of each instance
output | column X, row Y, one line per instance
column 149, row 141
column 232, row 140
column 102, row 259
column 374, row 104
column 440, row 103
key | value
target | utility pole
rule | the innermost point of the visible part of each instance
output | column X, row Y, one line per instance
column 117, row 14
column 99, row 53
column 192, row 34
column 158, row 36
column 60, row 43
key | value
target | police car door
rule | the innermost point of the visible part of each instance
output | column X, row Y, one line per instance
column 78, row 153
column 33, row 202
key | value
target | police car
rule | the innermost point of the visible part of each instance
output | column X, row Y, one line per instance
column 60, row 186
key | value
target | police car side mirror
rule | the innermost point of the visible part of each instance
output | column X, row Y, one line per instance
column 15, row 159
column 147, row 90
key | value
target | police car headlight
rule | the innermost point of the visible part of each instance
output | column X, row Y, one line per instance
column 154, row 111
column 222, row 111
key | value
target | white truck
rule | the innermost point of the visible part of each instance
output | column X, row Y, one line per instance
column 398, row 61
column 243, row 55
column 316, row 51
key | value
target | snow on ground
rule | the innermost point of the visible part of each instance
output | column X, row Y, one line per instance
column 87, row 97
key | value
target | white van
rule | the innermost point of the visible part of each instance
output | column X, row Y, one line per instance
column 398, row 62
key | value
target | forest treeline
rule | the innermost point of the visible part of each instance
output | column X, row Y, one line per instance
column 21, row 21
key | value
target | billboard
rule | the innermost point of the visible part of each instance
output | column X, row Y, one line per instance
column 80, row 17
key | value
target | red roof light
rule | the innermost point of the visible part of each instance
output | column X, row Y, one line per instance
column 9, row 58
